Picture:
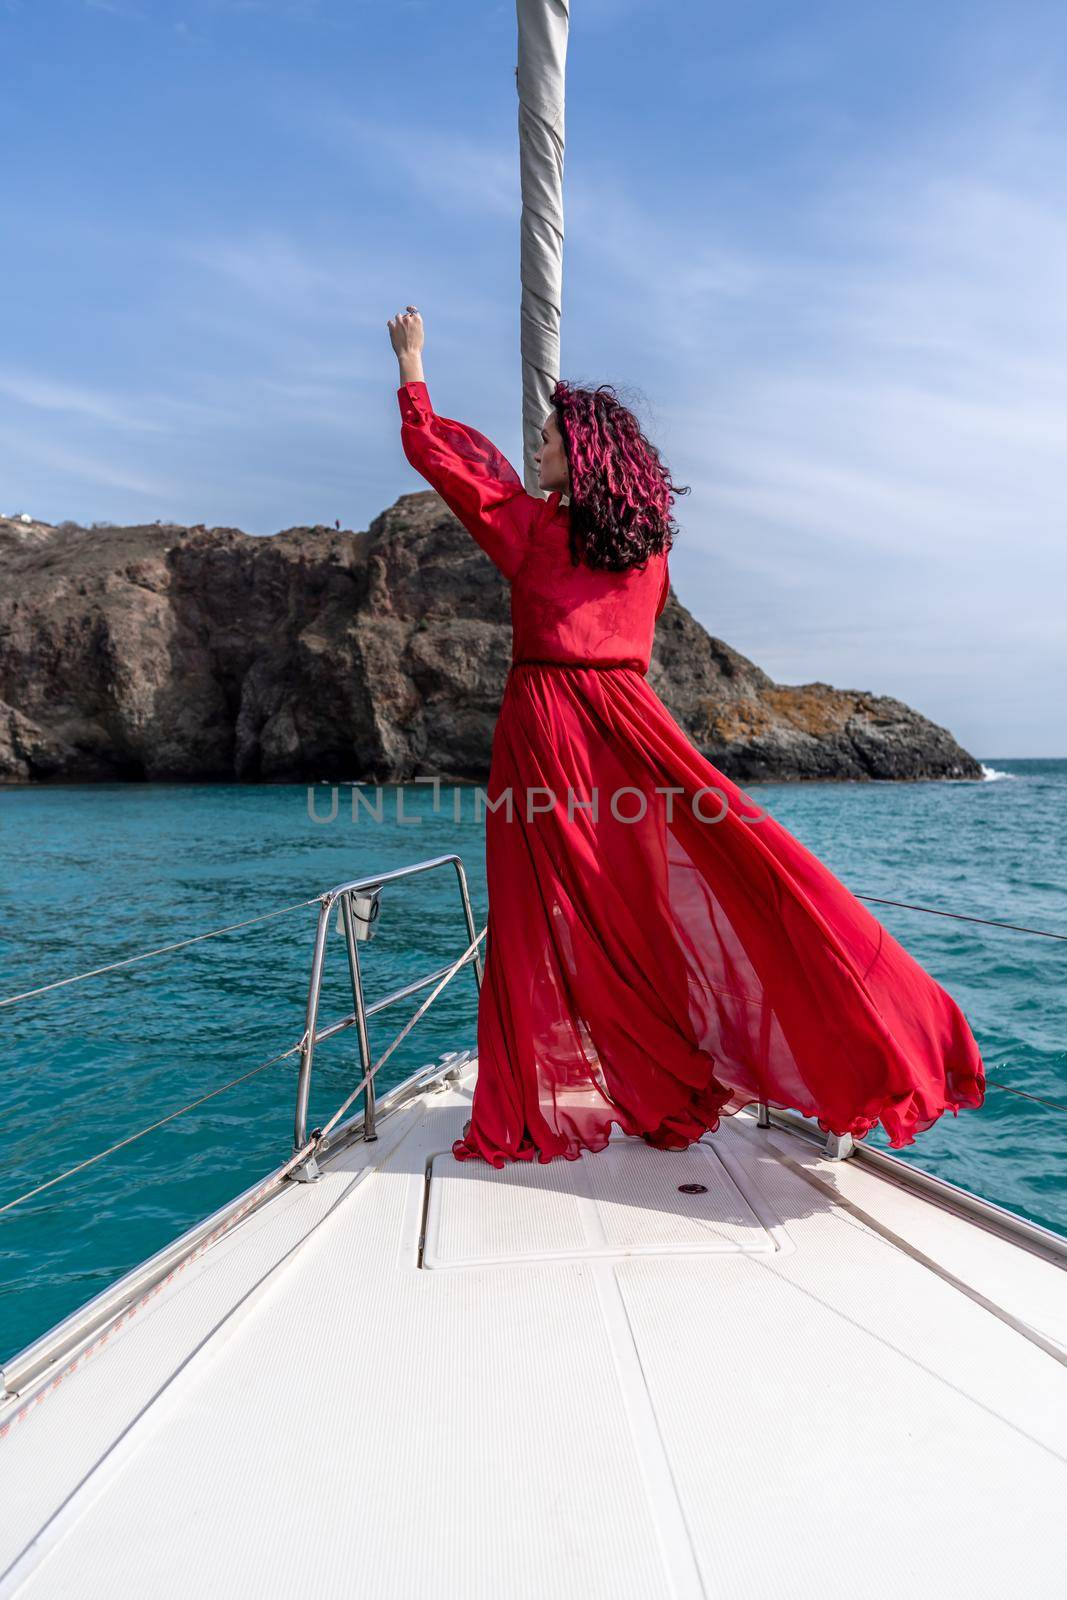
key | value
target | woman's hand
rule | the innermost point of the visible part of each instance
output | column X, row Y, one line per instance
column 408, row 337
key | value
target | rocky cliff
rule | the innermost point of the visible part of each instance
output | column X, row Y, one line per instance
column 165, row 652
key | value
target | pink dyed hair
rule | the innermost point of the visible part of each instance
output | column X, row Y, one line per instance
column 621, row 492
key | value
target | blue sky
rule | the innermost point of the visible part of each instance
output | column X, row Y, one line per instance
column 821, row 247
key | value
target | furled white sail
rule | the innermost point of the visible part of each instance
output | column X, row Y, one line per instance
column 540, row 77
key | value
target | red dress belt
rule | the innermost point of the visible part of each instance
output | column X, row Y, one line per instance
column 602, row 666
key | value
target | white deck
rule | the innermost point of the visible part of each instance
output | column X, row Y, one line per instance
column 592, row 1385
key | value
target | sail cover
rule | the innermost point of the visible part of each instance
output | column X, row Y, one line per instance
column 540, row 77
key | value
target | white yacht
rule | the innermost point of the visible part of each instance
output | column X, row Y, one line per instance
column 771, row 1364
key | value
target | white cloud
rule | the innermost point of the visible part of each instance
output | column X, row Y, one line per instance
column 449, row 170
column 276, row 271
column 61, row 462
column 47, row 394
column 116, row 8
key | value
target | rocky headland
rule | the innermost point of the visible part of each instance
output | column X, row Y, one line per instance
column 172, row 653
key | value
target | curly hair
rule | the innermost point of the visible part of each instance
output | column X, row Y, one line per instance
column 621, row 492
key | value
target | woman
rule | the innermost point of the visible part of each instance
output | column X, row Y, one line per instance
column 659, row 952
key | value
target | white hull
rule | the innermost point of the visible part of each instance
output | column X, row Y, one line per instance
column 566, row 1379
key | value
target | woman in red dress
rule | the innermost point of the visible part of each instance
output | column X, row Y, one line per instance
column 660, row 952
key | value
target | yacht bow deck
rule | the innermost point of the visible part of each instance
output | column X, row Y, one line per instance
column 418, row 1377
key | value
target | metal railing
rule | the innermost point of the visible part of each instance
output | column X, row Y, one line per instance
column 346, row 896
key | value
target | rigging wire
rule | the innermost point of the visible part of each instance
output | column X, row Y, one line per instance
column 133, row 1137
column 1053, row 1105
column 317, row 1138
column 214, row 933
column 163, row 949
column 962, row 916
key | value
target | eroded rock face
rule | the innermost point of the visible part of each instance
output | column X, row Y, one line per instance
column 753, row 728
column 165, row 652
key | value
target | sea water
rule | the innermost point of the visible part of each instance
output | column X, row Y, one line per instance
column 90, row 875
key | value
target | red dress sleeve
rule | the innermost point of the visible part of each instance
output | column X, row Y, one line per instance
column 474, row 480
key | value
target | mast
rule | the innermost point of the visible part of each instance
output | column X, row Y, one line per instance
column 540, row 79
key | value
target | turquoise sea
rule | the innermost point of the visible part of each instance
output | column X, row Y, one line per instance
column 92, row 874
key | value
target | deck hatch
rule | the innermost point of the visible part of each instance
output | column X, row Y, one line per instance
column 622, row 1201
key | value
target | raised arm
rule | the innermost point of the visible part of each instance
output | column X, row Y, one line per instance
column 477, row 483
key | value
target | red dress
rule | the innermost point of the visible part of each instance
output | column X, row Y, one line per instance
column 659, row 952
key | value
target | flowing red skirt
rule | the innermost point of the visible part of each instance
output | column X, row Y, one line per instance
column 668, row 958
